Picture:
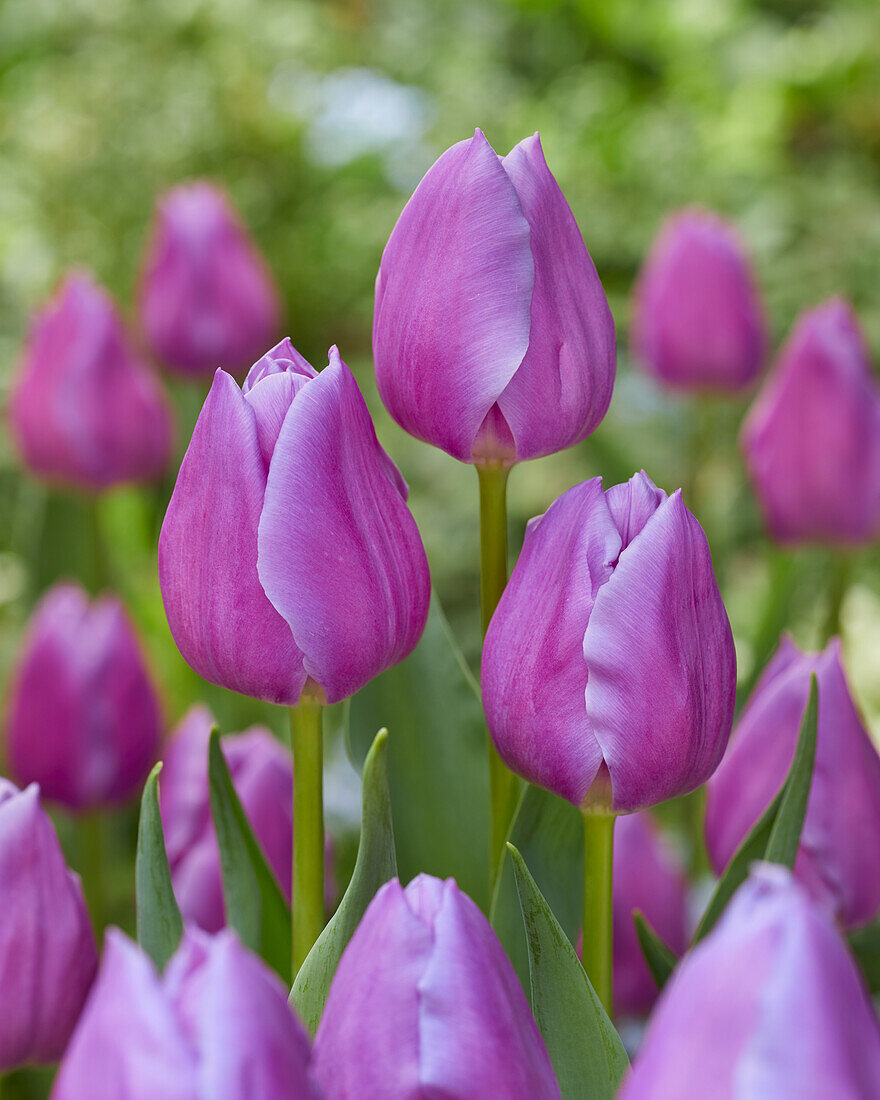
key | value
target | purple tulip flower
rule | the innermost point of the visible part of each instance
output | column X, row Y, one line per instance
column 697, row 317
column 608, row 668
column 84, row 409
column 207, row 299
column 492, row 337
column 812, row 439
column 426, row 1003
column 82, row 716
column 48, row 956
column 288, row 552
column 215, row 1026
column 839, row 858
column 262, row 773
column 770, row 1007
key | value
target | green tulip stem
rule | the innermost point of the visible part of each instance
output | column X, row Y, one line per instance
column 598, row 857
column 308, row 827
column 503, row 787
column 838, row 581
column 100, row 561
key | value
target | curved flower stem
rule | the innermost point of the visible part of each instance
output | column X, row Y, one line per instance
column 308, row 827
column 838, row 582
column 493, row 578
column 598, row 860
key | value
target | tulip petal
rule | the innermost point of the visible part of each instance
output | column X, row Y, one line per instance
column 534, row 675
column 562, row 388
column 453, row 299
column 662, row 671
column 219, row 615
column 339, row 553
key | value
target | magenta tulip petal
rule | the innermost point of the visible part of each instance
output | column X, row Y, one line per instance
column 47, row 950
column 339, row 553
column 534, row 675
column 453, row 299
column 662, row 672
column 220, row 618
column 837, row 861
column 282, row 359
column 562, row 388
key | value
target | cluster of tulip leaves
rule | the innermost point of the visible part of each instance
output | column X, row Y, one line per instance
column 424, row 809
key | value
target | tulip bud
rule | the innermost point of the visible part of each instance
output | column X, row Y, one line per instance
column 47, row 949
column 769, row 1005
column 812, row 438
column 288, row 551
column 648, row 877
column 84, row 410
column 608, row 668
column 262, row 774
column 82, row 718
column 207, row 299
column 425, row 1003
column 838, row 860
column 697, row 317
column 492, row 337
column 215, row 1026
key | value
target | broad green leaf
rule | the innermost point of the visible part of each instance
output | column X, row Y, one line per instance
column 159, row 924
column 586, row 1052
column 865, row 945
column 549, row 833
column 255, row 906
column 375, row 865
column 793, row 795
column 661, row 959
column 438, row 769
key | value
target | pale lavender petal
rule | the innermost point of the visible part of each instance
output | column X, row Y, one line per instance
column 453, row 299
column 632, row 504
column 339, row 553
column 282, row 359
column 562, row 387
column 661, row 664
column 219, row 615
column 533, row 671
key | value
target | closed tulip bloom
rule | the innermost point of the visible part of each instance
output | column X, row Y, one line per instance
column 608, row 668
column 647, row 876
column 812, row 439
column 425, row 1003
column 697, row 317
column 207, row 299
column 82, row 717
column 288, row 551
column 48, row 956
column 492, row 337
column 84, row 410
column 838, row 860
column 770, row 1005
column 215, row 1026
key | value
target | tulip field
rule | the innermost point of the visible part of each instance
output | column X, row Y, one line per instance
column 439, row 590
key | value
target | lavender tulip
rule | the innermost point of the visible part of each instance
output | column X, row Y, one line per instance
column 84, row 410
column 425, row 1003
column 608, row 669
column 82, row 717
column 262, row 773
column 770, row 1005
column 215, row 1026
column 287, row 551
column 812, row 438
column 206, row 297
column 47, row 950
column 838, row 860
column 697, row 318
column 492, row 336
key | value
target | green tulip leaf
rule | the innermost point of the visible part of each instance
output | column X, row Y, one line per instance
column 661, row 959
column 159, row 924
column 255, row 905
column 586, row 1051
column 865, row 945
column 438, row 770
column 776, row 834
column 376, row 864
